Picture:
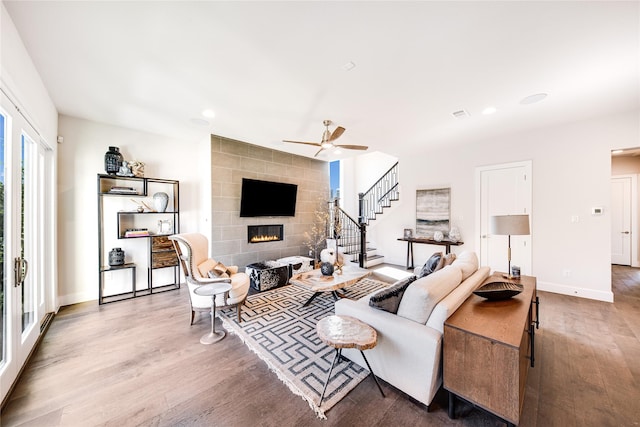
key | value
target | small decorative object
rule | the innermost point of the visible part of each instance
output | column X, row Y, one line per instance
column 454, row 234
column 116, row 257
column 326, row 268
column 137, row 168
column 499, row 290
column 139, row 205
column 164, row 226
column 328, row 255
column 160, row 201
column 408, row 233
column 515, row 271
column 124, row 169
column 140, row 208
column 112, row 160
column 438, row 236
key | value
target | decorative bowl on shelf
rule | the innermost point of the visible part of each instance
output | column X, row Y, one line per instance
column 499, row 290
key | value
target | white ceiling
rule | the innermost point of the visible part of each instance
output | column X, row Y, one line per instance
column 275, row 70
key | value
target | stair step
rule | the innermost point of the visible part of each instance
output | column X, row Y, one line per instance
column 371, row 260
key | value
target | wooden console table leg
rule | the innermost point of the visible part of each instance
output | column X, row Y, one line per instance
column 452, row 406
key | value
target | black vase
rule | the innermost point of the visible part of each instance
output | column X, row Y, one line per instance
column 116, row 257
column 112, row 160
column 326, row 268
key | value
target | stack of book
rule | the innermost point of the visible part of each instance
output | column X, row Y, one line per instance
column 136, row 232
column 123, row 190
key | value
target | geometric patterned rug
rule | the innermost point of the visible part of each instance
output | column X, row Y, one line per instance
column 282, row 333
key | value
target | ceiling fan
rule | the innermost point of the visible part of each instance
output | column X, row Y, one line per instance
column 328, row 138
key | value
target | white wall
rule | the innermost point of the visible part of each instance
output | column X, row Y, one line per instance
column 571, row 173
column 81, row 158
column 20, row 80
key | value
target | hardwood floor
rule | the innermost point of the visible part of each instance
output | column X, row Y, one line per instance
column 138, row 362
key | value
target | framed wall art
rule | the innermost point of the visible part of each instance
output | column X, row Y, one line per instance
column 433, row 211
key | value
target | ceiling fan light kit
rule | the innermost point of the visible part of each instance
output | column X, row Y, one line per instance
column 327, row 140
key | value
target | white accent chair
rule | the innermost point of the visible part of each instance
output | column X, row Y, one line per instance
column 192, row 251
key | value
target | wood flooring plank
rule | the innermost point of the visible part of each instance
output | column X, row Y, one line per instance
column 139, row 362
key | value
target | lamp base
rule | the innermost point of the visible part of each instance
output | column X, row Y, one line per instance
column 511, row 277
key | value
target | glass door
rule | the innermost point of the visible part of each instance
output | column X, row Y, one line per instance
column 22, row 205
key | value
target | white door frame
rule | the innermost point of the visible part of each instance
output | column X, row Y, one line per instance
column 528, row 168
column 634, row 216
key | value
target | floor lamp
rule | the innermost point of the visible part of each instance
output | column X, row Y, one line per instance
column 510, row 225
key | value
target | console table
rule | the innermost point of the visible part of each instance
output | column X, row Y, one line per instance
column 411, row 240
column 488, row 347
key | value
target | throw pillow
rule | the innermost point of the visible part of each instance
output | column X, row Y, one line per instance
column 206, row 266
column 434, row 263
column 219, row 270
column 425, row 293
column 389, row 299
column 449, row 258
column 467, row 261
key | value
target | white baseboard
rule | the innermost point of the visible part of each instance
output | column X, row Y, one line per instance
column 575, row 291
column 76, row 298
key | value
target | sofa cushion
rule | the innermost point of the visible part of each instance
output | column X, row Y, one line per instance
column 433, row 264
column 467, row 261
column 388, row 299
column 423, row 294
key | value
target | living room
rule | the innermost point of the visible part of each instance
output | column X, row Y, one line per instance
column 570, row 155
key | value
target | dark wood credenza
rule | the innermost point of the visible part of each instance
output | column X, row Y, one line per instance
column 488, row 348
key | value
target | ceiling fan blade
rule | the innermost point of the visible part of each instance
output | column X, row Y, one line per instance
column 319, row 151
column 353, row 147
column 336, row 133
column 317, row 144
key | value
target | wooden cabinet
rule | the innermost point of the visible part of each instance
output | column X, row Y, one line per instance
column 488, row 348
column 141, row 233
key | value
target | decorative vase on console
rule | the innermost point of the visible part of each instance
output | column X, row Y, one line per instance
column 454, row 234
column 113, row 160
column 438, row 236
column 160, row 201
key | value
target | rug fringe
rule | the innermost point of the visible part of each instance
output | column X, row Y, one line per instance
column 295, row 390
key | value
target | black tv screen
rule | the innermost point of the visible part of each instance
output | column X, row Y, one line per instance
column 266, row 198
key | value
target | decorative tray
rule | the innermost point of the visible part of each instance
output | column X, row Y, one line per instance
column 499, row 290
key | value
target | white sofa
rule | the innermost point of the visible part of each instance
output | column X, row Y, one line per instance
column 408, row 352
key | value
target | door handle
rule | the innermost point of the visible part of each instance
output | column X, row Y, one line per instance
column 20, row 270
column 625, row 232
column 484, row 236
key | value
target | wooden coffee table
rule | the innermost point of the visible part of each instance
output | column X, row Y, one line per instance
column 315, row 282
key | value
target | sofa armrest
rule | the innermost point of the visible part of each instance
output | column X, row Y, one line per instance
column 407, row 354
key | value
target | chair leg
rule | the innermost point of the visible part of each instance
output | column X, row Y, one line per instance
column 193, row 315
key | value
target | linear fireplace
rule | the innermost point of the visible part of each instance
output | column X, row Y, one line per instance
column 265, row 233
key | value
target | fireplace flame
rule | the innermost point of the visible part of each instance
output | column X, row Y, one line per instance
column 264, row 238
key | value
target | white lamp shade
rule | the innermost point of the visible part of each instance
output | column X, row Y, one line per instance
column 510, row 225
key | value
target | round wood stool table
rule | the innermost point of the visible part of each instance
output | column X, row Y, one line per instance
column 212, row 290
column 346, row 332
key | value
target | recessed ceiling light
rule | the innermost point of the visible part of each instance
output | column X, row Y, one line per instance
column 531, row 99
column 199, row 121
column 209, row 114
column 349, row 66
column 489, row 110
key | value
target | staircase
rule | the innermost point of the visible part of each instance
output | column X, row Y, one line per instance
column 351, row 235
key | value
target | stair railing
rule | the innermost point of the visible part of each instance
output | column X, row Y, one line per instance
column 379, row 196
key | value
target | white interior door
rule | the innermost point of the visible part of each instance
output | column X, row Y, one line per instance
column 504, row 190
column 22, row 211
column 621, row 234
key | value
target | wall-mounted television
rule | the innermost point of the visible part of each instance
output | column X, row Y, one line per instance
column 267, row 198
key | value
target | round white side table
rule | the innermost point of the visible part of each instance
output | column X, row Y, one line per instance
column 212, row 290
